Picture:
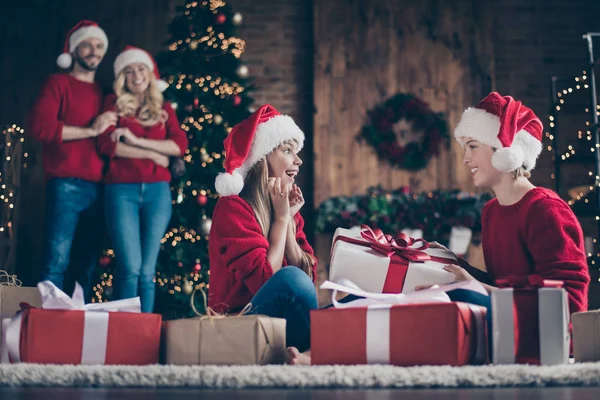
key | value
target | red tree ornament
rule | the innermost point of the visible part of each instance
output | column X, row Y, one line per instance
column 104, row 261
column 237, row 100
column 202, row 199
column 221, row 18
column 197, row 267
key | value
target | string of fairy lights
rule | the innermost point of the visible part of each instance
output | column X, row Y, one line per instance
column 213, row 43
column 11, row 136
column 583, row 192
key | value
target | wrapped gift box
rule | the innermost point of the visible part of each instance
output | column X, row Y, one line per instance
column 234, row 340
column 381, row 264
column 440, row 332
column 64, row 337
column 11, row 297
column 586, row 336
column 530, row 322
column 66, row 331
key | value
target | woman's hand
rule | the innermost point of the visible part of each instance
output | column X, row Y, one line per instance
column 280, row 197
column 460, row 274
column 128, row 136
column 296, row 200
column 436, row 245
column 160, row 159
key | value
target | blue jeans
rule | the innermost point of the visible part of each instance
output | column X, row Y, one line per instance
column 137, row 216
column 289, row 294
column 73, row 231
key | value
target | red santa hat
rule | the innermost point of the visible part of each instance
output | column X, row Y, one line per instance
column 131, row 55
column 506, row 125
column 83, row 30
column 250, row 141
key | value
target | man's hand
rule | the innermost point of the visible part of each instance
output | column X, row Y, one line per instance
column 103, row 122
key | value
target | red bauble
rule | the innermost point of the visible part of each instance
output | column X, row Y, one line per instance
column 202, row 199
column 196, row 102
column 237, row 100
column 221, row 18
column 104, row 261
column 180, row 264
column 197, row 267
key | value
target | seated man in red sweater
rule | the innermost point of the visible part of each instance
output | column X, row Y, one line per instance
column 526, row 229
column 66, row 119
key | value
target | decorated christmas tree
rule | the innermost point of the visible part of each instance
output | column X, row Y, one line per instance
column 208, row 87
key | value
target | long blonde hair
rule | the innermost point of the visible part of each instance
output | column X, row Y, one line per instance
column 150, row 111
column 256, row 194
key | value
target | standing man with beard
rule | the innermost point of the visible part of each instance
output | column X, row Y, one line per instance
column 66, row 119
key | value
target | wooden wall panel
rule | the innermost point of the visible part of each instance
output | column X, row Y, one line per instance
column 367, row 51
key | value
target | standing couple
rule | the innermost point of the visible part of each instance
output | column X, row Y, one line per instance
column 105, row 154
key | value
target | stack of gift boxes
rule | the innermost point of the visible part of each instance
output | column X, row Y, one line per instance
column 44, row 325
column 392, row 323
column 389, row 322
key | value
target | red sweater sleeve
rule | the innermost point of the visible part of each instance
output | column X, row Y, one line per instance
column 105, row 144
column 242, row 246
column 303, row 243
column 45, row 124
column 174, row 131
column 555, row 242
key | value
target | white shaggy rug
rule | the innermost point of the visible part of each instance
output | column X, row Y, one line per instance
column 276, row 376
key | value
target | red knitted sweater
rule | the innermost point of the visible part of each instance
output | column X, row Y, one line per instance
column 537, row 235
column 238, row 254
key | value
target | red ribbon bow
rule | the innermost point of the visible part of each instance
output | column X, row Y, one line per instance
column 402, row 245
column 528, row 282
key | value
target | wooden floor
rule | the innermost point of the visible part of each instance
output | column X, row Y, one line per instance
column 578, row 393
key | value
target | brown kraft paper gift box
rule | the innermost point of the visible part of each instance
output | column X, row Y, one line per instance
column 232, row 340
column 12, row 296
column 586, row 336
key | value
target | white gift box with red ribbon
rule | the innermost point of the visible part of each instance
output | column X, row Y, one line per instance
column 379, row 263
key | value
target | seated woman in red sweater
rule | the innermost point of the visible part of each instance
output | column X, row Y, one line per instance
column 258, row 250
column 525, row 229
column 137, row 194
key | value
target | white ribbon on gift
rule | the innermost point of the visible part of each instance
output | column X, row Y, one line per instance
column 95, row 328
column 553, row 320
column 378, row 313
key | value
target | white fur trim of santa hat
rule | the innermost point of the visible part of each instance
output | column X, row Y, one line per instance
column 135, row 55
column 267, row 137
column 482, row 126
column 75, row 38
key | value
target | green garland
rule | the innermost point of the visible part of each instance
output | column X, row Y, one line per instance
column 380, row 135
column 435, row 212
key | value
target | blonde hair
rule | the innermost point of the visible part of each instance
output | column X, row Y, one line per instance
column 521, row 172
column 150, row 111
column 256, row 194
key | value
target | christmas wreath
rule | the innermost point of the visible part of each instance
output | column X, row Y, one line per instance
column 383, row 134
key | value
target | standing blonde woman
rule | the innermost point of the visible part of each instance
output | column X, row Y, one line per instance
column 137, row 192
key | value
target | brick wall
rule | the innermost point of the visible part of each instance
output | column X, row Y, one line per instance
column 278, row 35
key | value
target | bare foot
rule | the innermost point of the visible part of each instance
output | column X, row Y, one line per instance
column 294, row 357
